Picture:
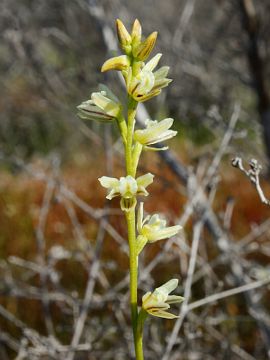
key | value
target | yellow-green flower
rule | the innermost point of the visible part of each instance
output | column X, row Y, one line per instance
column 159, row 301
column 152, row 228
column 154, row 133
column 103, row 106
column 146, row 83
column 126, row 187
column 120, row 63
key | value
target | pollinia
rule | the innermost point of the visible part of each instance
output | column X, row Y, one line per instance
column 142, row 82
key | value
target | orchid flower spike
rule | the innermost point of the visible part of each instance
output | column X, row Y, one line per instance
column 154, row 133
column 103, row 106
column 126, row 187
column 152, row 228
column 146, row 83
column 159, row 301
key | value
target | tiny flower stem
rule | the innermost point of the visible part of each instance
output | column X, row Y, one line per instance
column 130, row 217
column 132, row 106
column 123, row 128
column 136, row 155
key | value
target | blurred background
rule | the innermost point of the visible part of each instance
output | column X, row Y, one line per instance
column 63, row 251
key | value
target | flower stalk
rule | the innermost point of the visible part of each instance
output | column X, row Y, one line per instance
column 142, row 84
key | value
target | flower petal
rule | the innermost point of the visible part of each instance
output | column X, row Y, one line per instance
column 152, row 148
column 113, row 193
column 145, row 180
column 164, row 233
column 107, row 105
column 155, row 132
column 108, row 182
column 174, row 299
column 153, row 62
column 162, row 72
column 148, row 96
column 88, row 111
column 162, row 314
column 168, row 287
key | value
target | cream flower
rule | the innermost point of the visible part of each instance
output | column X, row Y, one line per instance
column 126, row 187
column 146, row 83
column 152, row 228
column 159, row 301
column 103, row 106
column 155, row 132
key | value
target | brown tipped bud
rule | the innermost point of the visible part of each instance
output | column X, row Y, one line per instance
column 144, row 50
column 122, row 33
column 136, row 32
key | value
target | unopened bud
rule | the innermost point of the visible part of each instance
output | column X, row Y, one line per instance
column 116, row 63
column 123, row 35
column 136, row 32
column 145, row 48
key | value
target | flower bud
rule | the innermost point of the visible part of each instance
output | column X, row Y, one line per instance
column 123, row 35
column 116, row 63
column 143, row 51
column 136, row 33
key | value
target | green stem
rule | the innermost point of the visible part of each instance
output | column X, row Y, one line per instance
column 136, row 155
column 139, row 333
column 131, row 166
column 132, row 106
column 122, row 128
column 130, row 217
